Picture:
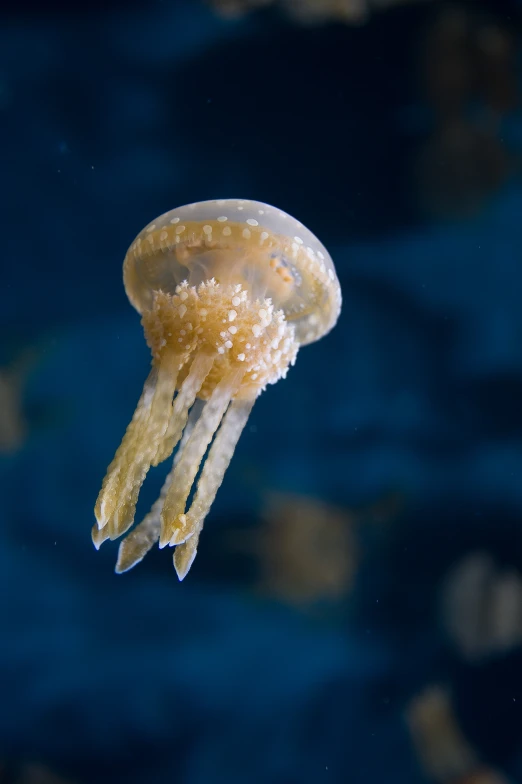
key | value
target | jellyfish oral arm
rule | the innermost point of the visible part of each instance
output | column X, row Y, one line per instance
column 135, row 546
column 116, row 503
column 231, row 348
column 174, row 528
column 210, row 480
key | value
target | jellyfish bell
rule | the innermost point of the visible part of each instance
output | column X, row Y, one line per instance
column 228, row 291
column 237, row 241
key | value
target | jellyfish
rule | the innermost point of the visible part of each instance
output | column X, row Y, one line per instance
column 228, row 291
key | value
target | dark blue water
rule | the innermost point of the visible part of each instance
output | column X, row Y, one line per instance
column 111, row 116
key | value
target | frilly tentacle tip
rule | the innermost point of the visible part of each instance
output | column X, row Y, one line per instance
column 182, row 564
column 97, row 537
column 125, row 561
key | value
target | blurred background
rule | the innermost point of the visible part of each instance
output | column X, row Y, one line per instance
column 355, row 610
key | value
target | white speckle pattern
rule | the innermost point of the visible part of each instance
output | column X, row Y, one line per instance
column 247, row 233
column 252, row 222
column 150, row 228
column 174, row 220
column 222, row 218
column 236, row 301
column 180, row 229
column 227, row 231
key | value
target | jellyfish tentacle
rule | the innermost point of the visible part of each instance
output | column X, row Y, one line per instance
column 135, row 546
column 199, row 370
column 147, row 445
column 99, row 535
column 137, row 450
column 173, row 517
column 106, row 497
column 214, row 469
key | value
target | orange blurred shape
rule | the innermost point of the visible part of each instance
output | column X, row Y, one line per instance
column 307, row 548
column 442, row 750
column 484, row 776
column 13, row 426
column 34, row 773
column 312, row 11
